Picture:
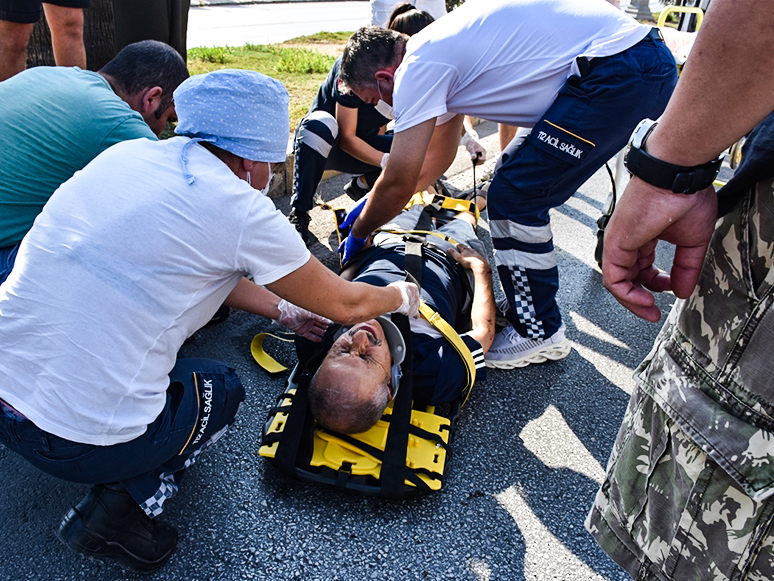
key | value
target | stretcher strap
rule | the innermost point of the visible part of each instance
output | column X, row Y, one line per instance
column 410, row 474
column 422, row 433
column 418, row 232
column 414, row 265
column 437, row 321
column 266, row 361
column 443, row 203
column 394, row 470
column 298, row 417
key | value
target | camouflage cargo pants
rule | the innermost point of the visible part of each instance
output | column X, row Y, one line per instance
column 689, row 492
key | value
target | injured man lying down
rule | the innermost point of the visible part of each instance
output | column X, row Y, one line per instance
column 357, row 378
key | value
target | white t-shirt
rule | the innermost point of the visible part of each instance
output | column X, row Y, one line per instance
column 124, row 263
column 504, row 60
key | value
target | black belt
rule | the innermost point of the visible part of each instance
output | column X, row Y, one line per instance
column 584, row 63
column 655, row 34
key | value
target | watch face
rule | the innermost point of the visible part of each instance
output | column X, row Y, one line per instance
column 641, row 132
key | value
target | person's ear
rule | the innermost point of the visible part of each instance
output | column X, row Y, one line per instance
column 247, row 165
column 384, row 76
column 150, row 99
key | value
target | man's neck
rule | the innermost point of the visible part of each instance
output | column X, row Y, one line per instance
column 114, row 85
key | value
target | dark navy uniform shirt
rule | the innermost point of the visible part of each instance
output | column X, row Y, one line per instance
column 369, row 120
column 439, row 371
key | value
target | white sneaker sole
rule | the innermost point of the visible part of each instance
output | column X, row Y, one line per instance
column 551, row 352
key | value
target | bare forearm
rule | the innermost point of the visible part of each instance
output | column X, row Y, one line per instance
column 441, row 152
column 726, row 87
column 387, row 199
column 399, row 179
column 315, row 288
column 359, row 149
column 253, row 298
column 482, row 314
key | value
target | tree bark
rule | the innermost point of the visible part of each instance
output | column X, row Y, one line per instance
column 98, row 38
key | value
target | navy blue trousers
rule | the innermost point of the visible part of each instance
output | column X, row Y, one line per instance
column 588, row 123
column 202, row 400
column 316, row 149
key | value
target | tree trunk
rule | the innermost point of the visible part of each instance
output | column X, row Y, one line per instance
column 98, row 38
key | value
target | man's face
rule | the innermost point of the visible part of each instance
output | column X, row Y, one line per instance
column 370, row 96
column 382, row 91
column 360, row 354
column 158, row 119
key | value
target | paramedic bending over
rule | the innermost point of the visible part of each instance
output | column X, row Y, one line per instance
column 145, row 243
column 582, row 74
column 353, row 385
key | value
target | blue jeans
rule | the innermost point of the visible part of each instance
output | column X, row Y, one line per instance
column 316, row 148
column 202, row 400
column 588, row 123
column 7, row 258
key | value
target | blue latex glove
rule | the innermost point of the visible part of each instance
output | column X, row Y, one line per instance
column 351, row 246
column 354, row 213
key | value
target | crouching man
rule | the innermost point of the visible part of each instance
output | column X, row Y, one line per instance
column 353, row 386
column 128, row 258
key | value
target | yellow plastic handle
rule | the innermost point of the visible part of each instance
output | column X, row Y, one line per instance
column 686, row 9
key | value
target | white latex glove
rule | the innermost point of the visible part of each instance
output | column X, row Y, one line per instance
column 303, row 322
column 474, row 147
column 409, row 293
column 383, row 162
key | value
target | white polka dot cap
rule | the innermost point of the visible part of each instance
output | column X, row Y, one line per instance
column 243, row 112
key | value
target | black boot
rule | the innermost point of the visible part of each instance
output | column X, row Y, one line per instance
column 108, row 524
column 301, row 221
column 354, row 190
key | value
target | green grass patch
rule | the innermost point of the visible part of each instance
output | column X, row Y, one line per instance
column 219, row 55
column 300, row 69
column 301, row 60
column 322, row 38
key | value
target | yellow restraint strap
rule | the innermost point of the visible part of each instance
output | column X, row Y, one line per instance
column 454, row 204
column 262, row 358
column 454, row 338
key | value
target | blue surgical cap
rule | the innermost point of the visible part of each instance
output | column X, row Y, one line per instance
column 242, row 112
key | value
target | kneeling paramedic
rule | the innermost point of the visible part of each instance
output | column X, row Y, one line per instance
column 144, row 245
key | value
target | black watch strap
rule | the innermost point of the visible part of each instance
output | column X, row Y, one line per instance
column 677, row 178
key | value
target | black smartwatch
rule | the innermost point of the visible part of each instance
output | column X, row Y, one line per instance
column 676, row 178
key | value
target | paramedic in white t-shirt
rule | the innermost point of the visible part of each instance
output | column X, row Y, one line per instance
column 128, row 258
column 581, row 74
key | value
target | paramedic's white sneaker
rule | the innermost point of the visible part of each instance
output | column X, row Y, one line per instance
column 511, row 350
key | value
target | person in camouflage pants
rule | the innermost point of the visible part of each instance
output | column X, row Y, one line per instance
column 689, row 492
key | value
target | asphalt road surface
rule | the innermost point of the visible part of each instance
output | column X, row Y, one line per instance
column 529, row 453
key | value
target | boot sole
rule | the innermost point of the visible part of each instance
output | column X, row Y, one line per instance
column 77, row 538
column 552, row 353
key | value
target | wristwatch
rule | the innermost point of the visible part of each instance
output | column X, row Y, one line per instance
column 676, row 178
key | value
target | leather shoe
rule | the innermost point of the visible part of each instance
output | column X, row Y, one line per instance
column 108, row 524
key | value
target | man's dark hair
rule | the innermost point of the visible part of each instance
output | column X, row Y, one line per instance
column 145, row 64
column 408, row 19
column 369, row 49
column 335, row 409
